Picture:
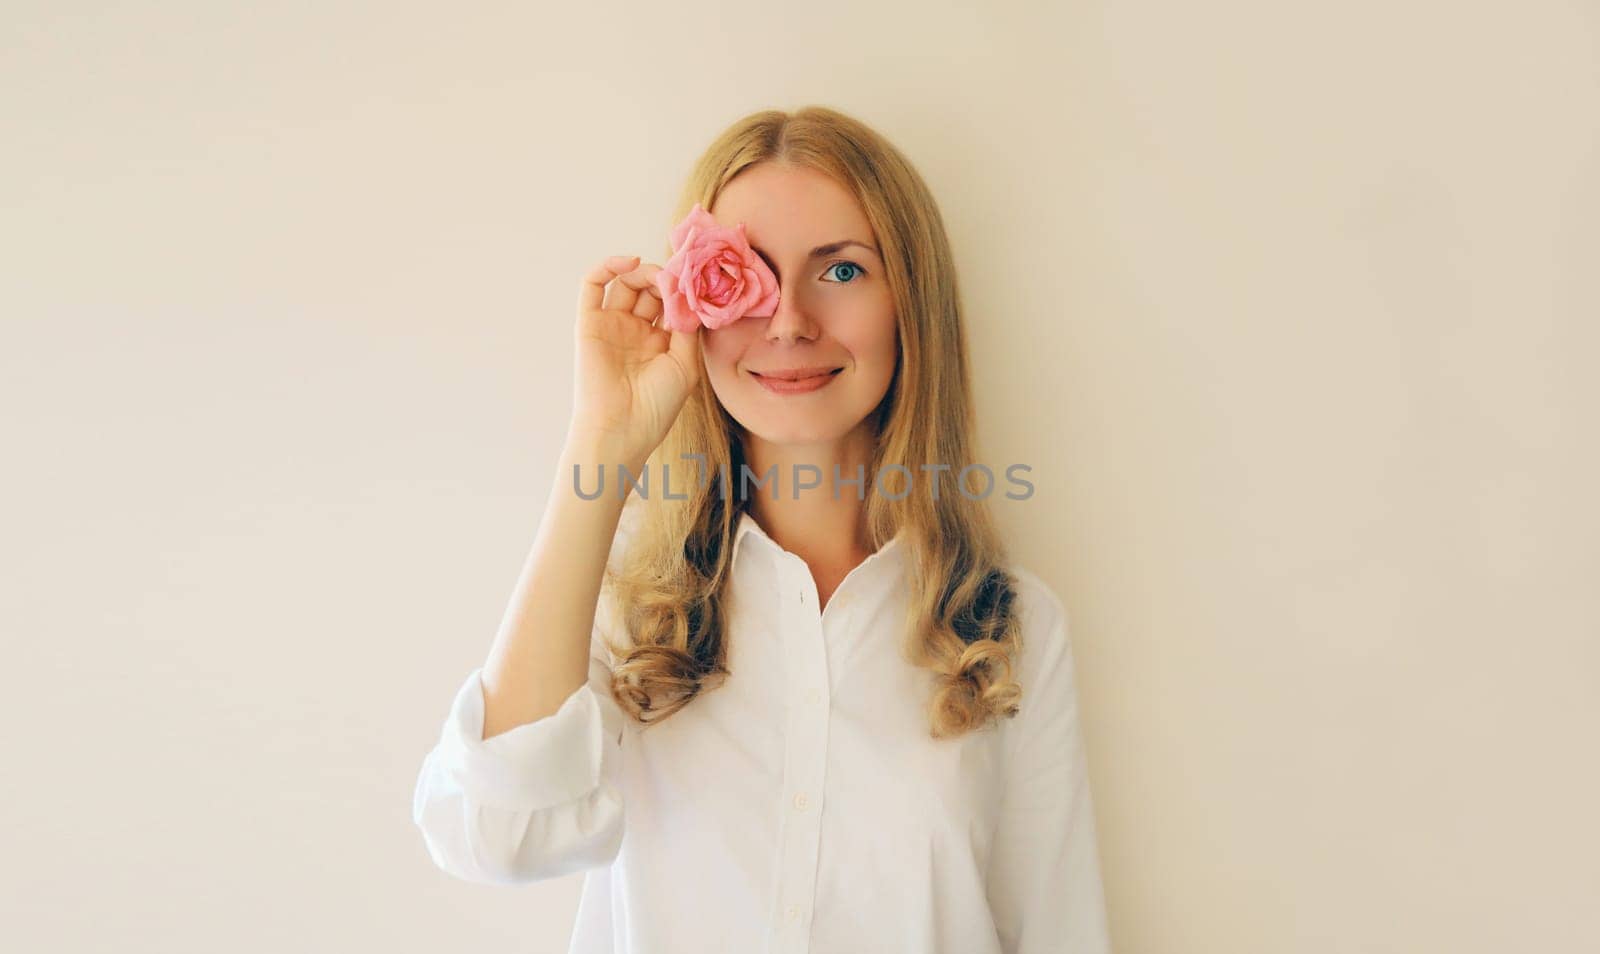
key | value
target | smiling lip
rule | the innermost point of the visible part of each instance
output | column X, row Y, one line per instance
column 796, row 380
column 795, row 374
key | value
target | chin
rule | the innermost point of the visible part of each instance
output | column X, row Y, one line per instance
column 792, row 430
column 790, row 433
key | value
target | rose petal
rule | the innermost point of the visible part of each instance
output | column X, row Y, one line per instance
column 714, row 277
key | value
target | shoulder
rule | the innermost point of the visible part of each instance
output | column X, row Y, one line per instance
column 1041, row 610
column 1045, row 666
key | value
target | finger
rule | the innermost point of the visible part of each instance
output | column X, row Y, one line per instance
column 593, row 289
column 649, row 308
column 650, row 305
column 624, row 292
column 685, row 349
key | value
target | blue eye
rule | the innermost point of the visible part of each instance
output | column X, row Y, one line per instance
column 846, row 265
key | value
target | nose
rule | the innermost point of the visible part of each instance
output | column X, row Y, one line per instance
column 790, row 321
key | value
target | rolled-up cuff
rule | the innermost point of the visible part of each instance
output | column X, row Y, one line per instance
column 533, row 766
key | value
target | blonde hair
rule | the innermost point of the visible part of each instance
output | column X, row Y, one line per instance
column 671, row 587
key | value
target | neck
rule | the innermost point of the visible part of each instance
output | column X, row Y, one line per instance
column 823, row 527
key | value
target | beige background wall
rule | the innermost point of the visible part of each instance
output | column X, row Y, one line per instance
column 1291, row 307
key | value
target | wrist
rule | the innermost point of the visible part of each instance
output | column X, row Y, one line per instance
column 591, row 447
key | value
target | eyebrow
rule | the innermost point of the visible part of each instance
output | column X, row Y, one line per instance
column 828, row 249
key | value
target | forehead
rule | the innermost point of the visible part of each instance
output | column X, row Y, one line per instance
column 790, row 208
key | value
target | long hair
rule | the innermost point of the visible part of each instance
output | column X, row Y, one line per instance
column 672, row 585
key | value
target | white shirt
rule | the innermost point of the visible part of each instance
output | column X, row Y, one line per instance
column 802, row 806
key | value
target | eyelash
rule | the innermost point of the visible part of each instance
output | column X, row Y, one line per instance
column 833, row 265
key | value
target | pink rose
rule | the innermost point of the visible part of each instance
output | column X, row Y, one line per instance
column 713, row 278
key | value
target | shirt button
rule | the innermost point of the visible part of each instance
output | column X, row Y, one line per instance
column 814, row 696
column 794, row 912
column 800, row 801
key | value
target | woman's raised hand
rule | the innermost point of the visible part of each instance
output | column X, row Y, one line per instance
column 633, row 376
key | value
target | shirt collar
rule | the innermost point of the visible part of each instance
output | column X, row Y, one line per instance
column 749, row 527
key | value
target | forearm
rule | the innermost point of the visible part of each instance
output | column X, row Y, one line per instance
column 540, row 654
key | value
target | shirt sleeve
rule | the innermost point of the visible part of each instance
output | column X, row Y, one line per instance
column 1044, row 882
column 538, row 801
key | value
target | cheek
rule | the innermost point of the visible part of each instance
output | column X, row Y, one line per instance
column 872, row 342
column 721, row 348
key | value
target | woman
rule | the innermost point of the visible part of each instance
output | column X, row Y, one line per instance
column 821, row 719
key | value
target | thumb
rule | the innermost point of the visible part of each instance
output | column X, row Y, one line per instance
column 685, row 350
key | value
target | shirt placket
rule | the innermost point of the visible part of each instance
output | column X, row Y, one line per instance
column 806, row 735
